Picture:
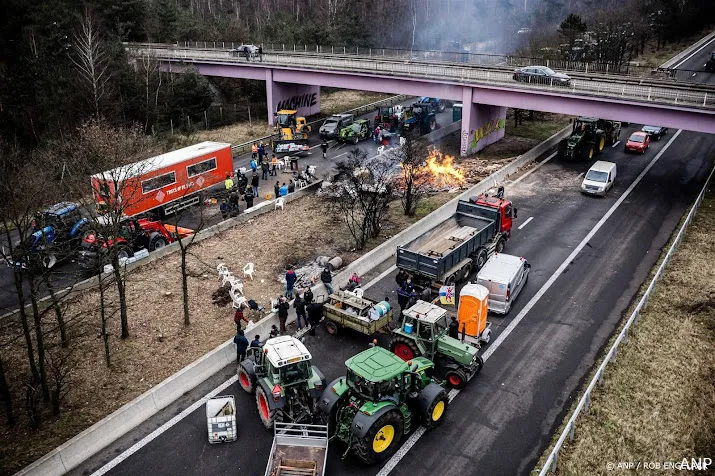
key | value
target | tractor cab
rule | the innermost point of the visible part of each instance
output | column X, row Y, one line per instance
column 286, row 118
column 283, row 359
column 585, row 124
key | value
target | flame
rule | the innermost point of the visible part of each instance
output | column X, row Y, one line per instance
column 443, row 173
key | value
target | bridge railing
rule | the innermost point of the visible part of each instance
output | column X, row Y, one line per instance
column 483, row 59
column 583, row 404
column 664, row 92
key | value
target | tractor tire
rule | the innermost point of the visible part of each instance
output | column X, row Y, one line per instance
column 434, row 416
column 156, row 241
column 481, row 259
column 331, row 327
column 268, row 416
column 432, row 124
column 589, row 154
column 501, row 244
column 441, row 106
column 601, row 143
column 246, row 380
column 404, row 348
column 382, row 439
column 355, row 140
column 124, row 252
column 456, row 378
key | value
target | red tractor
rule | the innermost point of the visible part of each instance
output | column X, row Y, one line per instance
column 134, row 234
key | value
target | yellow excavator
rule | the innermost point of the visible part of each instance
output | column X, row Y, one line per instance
column 291, row 132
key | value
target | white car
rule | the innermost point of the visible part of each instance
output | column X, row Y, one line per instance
column 246, row 51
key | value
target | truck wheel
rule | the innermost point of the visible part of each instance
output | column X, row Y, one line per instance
column 481, row 258
column 381, row 440
column 456, row 378
column 246, row 380
column 331, row 327
column 500, row 245
column 434, row 415
column 465, row 272
column 404, row 348
column 267, row 415
column 156, row 241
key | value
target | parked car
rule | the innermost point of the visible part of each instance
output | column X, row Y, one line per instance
column 638, row 142
column 334, row 124
column 655, row 132
column 246, row 51
column 599, row 178
column 541, row 75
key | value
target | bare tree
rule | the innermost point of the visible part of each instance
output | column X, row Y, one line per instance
column 91, row 61
column 413, row 177
column 362, row 192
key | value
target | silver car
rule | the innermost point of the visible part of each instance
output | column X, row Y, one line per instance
column 541, row 75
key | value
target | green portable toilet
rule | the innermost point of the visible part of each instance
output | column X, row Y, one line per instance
column 457, row 112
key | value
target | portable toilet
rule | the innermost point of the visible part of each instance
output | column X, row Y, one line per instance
column 472, row 310
column 457, row 112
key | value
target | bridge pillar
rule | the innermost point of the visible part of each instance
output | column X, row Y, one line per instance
column 301, row 97
column 481, row 124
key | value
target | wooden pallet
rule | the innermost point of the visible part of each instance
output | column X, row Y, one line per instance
column 294, row 467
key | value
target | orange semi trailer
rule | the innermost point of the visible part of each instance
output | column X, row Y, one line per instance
column 165, row 183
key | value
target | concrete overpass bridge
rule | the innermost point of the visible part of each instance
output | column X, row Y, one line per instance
column 294, row 79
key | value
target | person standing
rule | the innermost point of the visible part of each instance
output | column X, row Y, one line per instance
column 299, row 305
column 260, row 53
column 254, row 150
column 291, row 186
column 238, row 317
column 261, row 151
column 254, row 183
column 274, row 165
column 376, row 137
column 283, row 191
column 253, row 164
column 241, row 346
column 225, row 209
column 290, row 281
column 228, row 183
column 454, row 328
column 324, row 147
column 283, row 307
column 277, row 188
column 327, row 278
column 256, row 342
column 315, row 314
column 401, row 277
column 264, row 168
column 248, row 196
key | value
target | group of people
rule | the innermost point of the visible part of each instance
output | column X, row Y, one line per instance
column 308, row 312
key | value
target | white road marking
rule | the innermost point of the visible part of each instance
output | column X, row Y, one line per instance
column 534, row 169
column 151, row 436
column 339, row 155
column 693, row 53
column 380, row 276
column 693, row 74
column 580, row 175
column 392, row 462
column 525, row 223
column 617, row 142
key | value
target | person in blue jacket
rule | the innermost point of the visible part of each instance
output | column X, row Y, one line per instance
column 241, row 346
column 283, row 191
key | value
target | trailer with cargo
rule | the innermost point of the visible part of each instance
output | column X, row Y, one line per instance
column 298, row 450
column 348, row 310
column 461, row 244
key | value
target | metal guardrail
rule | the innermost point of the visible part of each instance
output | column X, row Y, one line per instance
column 626, row 88
column 239, row 149
column 585, row 401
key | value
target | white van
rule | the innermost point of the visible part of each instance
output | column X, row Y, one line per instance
column 504, row 276
column 599, row 178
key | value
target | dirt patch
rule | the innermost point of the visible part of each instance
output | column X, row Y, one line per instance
column 337, row 101
column 657, row 400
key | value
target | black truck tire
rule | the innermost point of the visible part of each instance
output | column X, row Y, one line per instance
column 268, row 416
column 404, row 348
column 382, row 439
column 501, row 244
column 481, row 258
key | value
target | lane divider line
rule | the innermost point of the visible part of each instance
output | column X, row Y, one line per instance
column 694, row 53
column 614, row 145
column 525, row 223
column 392, row 462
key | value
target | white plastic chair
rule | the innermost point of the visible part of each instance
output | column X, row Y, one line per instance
column 380, row 150
column 301, row 183
column 249, row 270
column 280, row 202
column 286, row 162
column 222, row 269
column 312, row 169
column 279, row 165
column 238, row 301
column 227, row 278
column 236, row 286
column 359, row 292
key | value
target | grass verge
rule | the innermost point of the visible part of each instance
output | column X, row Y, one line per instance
column 658, row 398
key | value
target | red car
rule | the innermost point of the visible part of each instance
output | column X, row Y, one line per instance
column 637, row 142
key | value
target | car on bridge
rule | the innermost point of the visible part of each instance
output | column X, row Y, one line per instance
column 655, row 132
column 638, row 142
column 541, row 75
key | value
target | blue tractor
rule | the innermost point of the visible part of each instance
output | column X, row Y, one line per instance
column 439, row 105
column 57, row 234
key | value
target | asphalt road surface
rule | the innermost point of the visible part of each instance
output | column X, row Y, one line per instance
column 68, row 273
column 692, row 67
column 505, row 417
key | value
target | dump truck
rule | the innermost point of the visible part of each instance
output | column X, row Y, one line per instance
column 286, row 385
column 423, row 333
column 449, row 253
column 298, row 450
column 345, row 309
column 588, row 137
column 291, row 132
column 379, row 401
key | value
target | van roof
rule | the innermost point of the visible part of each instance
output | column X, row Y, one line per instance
column 500, row 268
column 160, row 161
column 603, row 166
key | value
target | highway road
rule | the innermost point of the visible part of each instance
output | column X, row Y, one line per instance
column 68, row 273
column 692, row 67
column 589, row 256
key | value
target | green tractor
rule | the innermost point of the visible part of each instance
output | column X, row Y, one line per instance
column 424, row 332
column 356, row 131
column 589, row 136
column 380, row 400
column 286, row 385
